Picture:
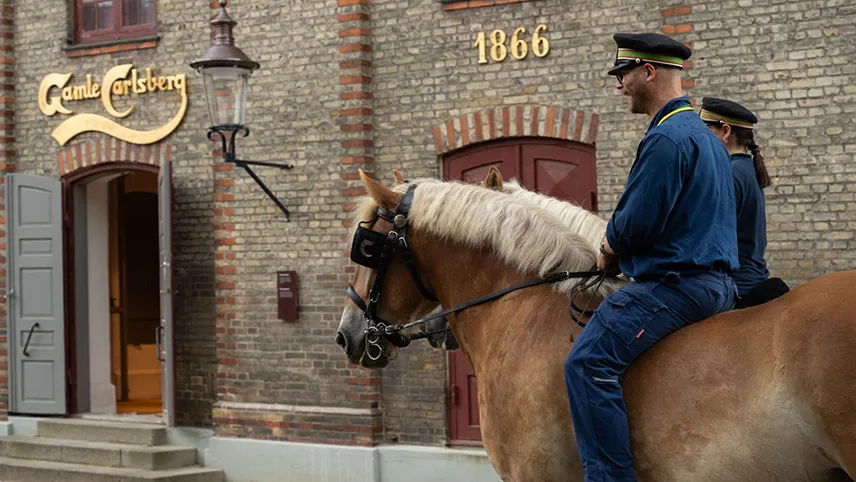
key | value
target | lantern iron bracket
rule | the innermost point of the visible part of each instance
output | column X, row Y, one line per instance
column 227, row 134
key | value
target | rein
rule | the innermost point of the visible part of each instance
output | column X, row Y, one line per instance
column 375, row 251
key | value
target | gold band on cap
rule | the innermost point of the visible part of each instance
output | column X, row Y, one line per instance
column 639, row 56
column 714, row 117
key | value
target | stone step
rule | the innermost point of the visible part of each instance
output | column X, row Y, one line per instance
column 18, row 470
column 97, row 453
column 98, row 431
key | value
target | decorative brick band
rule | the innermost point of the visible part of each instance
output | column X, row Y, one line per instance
column 356, row 116
column 675, row 23
column 327, row 425
column 225, row 272
column 516, row 121
column 7, row 164
column 109, row 49
column 109, row 149
column 464, row 4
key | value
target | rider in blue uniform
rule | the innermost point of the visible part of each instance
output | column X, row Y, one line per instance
column 673, row 231
column 734, row 125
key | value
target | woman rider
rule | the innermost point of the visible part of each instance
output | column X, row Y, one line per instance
column 734, row 125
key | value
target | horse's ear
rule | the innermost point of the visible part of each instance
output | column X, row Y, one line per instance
column 493, row 180
column 399, row 177
column 380, row 193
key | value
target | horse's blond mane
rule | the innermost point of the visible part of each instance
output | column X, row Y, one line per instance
column 581, row 221
column 524, row 235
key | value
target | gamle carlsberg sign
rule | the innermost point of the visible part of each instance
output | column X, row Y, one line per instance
column 119, row 81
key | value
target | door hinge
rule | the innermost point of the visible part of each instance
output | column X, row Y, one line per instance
column 453, row 394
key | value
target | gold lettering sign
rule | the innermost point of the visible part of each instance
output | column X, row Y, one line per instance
column 519, row 48
column 120, row 81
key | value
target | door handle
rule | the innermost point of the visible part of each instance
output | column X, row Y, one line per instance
column 29, row 337
column 158, row 335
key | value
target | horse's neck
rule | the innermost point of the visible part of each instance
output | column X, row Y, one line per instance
column 459, row 275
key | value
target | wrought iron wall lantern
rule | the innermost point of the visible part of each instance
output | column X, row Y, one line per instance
column 226, row 71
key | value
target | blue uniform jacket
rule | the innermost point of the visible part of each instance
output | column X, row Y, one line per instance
column 751, row 225
column 677, row 212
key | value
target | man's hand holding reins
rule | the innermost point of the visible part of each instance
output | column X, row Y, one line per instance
column 607, row 260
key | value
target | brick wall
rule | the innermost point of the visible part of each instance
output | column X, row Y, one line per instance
column 361, row 83
column 310, row 105
column 789, row 64
column 450, row 5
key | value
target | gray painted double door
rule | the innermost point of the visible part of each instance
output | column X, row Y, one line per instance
column 35, row 294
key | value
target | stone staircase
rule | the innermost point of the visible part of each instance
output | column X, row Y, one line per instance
column 87, row 451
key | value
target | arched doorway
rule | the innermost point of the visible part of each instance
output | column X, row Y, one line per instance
column 89, row 257
column 112, row 289
column 560, row 168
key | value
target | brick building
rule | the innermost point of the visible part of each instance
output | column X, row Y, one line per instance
column 431, row 87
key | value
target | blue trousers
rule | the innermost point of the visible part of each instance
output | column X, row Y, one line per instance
column 625, row 325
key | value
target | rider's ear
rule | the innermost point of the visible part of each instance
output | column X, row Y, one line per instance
column 380, row 193
column 726, row 132
column 493, row 180
column 399, row 177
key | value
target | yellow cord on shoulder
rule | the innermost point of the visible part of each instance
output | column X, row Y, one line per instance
column 670, row 114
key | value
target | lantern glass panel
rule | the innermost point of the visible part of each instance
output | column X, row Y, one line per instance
column 226, row 93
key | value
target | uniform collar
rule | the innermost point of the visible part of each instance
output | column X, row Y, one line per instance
column 676, row 103
column 741, row 155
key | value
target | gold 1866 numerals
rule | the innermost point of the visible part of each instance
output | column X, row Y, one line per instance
column 519, row 47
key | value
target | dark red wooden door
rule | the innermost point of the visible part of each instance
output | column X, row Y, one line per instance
column 563, row 169
column 472, row 165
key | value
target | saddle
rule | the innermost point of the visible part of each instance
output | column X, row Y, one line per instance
column 768, row 290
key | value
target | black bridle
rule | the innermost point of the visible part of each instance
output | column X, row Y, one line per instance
column 375, row 250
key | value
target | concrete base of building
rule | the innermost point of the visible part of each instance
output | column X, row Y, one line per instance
column 246, row 460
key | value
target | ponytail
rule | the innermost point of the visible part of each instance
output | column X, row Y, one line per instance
column 746, row 138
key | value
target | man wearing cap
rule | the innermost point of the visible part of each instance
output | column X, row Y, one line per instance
column 734, row 125
column 673, row 231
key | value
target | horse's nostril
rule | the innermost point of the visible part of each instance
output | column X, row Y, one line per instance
column 340, row 340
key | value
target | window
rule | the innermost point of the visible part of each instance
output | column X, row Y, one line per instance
column 104, row 20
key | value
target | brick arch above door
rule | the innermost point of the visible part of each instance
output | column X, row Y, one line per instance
column 108, row 149
column 522, row 120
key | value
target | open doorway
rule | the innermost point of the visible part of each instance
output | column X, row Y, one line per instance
column 134, row 302
column 115, row 287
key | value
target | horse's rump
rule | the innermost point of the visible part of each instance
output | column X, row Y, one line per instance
column 771, row 387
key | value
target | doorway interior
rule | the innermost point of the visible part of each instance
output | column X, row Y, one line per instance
column 114, row 262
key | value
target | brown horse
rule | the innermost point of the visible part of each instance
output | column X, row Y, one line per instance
column 766, row 393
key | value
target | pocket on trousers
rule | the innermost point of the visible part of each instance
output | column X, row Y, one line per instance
column 629, row 314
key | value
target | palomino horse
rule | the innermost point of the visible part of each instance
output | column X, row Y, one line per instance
column 581, row 221
column 766, row 393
